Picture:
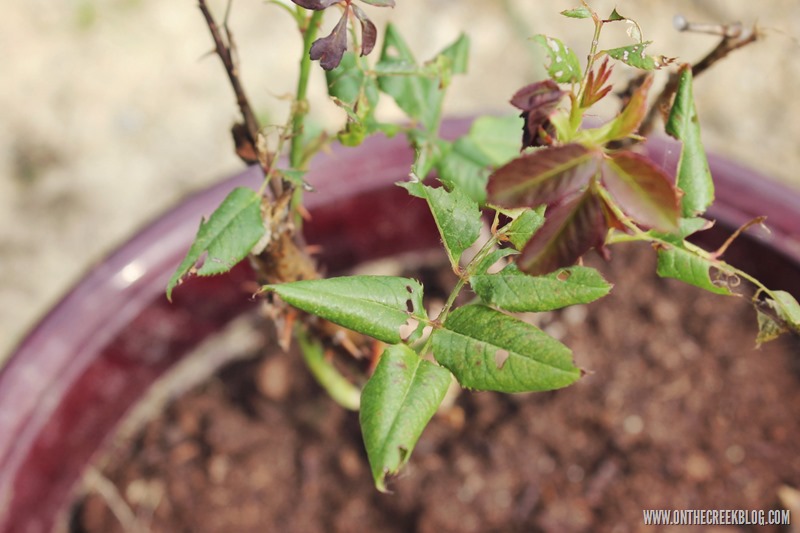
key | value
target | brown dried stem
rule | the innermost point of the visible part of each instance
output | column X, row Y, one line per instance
column 733, row 38
column 245, row 134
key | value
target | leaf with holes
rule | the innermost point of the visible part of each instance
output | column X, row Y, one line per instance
column 378, row 306
column 488, row 350
column 329, row 50
column 226, row 238
column 642, row 190
column 679, row 263
column 564, row 66
column 694, row 176
column 456, row 215
column 636, row 56
column 544, row 176
column 397, row 403
column 514, row 291
column 570, row 230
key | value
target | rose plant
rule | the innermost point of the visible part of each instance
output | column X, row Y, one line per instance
column 570, row 186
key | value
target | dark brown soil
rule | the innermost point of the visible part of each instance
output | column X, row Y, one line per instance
column 679, row 412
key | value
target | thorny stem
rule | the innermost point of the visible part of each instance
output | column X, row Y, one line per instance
column 300, row 108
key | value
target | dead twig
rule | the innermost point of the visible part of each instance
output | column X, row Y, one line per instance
column 734, row 37
column 245, row 134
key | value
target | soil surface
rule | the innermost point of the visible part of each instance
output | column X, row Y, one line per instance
column 679, row 411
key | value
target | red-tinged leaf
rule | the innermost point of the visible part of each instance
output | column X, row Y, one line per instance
column 569, row 231
column 369, row 34
column 595, row 90
column 545, row 176
column 643, row 191
column 631, row 117
column 329, row 50
column 537, row 101
column 316, row 5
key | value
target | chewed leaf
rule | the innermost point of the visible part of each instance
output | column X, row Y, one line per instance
column 378, row 306
column 676, row 262
column 329, row 50
column 564, row 66
column 545, row 176
column 517, row 292
column 636, row 56
column 456, row 215
column 694, row 176
column 488, row 350
column 768, row 328
column 397, row 403
column 570, row 230
column 227, row 237
column 642, row 190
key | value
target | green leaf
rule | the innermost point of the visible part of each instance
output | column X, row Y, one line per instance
column 686, row 227
column 497, row 138
column 614, row 16
column 642, row 190
column 378, row 306
column 694, row 176
column 635, row 56
column 564, row 66
column 488, row 350
column 577, row 13
column 418, row 91
column 396, row 404
column 457, row 217
column 464, row 167
column 493, row 257
column 786, row 307
column 517, row 292
column 524, row 226
column 227, row 237
column 682, row 264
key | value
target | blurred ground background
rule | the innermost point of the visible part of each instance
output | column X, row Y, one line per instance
column 111, row 113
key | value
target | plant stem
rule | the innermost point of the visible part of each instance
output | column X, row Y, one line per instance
column 300, row 107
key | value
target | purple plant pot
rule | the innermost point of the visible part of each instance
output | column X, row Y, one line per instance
column 71, row 381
